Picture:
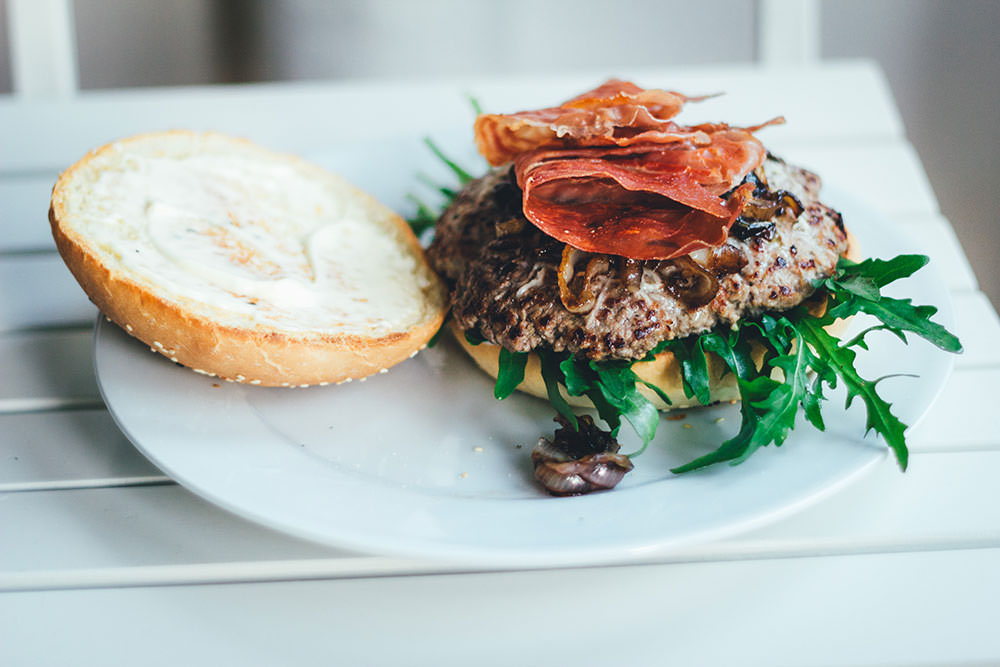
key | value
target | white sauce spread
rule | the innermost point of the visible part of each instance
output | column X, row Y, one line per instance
column 255, row 242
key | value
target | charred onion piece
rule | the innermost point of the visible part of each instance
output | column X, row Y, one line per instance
column 752, row 229
column 688, row 281
column 630, row 273
column 726, row 260
column 767, row 205
column 575, row 287
column 576, row 462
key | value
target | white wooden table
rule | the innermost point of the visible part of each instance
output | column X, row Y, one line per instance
column 104, row 560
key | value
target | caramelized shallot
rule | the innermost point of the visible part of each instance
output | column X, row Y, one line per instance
column 576, row 287
column 579, row 461
column 630, row 273
column 688, row 281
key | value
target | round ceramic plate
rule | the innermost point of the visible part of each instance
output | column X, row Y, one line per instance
column 424, row 462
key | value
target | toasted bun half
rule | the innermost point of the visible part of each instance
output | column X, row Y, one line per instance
column 663, row 371
column 244, row 263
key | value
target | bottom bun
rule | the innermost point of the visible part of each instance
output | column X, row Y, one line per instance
column 663, row 371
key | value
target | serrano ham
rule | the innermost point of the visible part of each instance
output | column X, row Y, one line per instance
column 610, row 172
column 615, row 113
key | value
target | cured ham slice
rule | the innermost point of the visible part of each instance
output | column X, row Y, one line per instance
column 615, row 113
column 610, row 171
column 650, row 201
column 597, row 214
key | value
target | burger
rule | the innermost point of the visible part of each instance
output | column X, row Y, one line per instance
column 615, row 260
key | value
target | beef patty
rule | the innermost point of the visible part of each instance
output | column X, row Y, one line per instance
column 504, row 273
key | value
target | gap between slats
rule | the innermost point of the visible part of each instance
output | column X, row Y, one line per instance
column 110, row 482
column 367, row 567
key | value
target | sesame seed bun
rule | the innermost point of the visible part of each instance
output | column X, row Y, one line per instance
column 243, row 263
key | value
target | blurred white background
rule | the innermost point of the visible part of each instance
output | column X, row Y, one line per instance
column 941, row 57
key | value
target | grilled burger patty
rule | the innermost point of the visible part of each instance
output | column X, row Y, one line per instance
column 504, row 273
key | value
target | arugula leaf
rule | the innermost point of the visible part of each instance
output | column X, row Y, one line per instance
column 854, row 288
column 551, row 374
column 474, row 103
column 463, row 176
column 734, row 351
column 424, row 218
column 510, row 372
column 617, row 384
column 749, row 437
column 694, row 368
column 841, row 359
column 580, row 379
column 881, row 272
column 899, row 315
column 657, row 390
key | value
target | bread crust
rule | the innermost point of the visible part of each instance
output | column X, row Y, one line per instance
column 266, row 356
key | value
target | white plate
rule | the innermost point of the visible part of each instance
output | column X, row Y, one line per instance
column 423, row 462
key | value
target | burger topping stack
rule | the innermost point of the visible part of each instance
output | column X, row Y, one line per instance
column 615, row 259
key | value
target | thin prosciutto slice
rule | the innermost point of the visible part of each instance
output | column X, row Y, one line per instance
column 648, row 201
column 615, row 113
column 610, row 172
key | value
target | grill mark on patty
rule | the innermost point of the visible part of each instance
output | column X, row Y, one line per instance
column 502, row 274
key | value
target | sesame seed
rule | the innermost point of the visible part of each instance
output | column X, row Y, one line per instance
column 477, row 449
column 719, row 420
column 688, row 426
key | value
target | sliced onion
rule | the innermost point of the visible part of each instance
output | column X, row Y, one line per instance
column 576, row 288
column 579, row 461
column 630, row 273
column 688, row 281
